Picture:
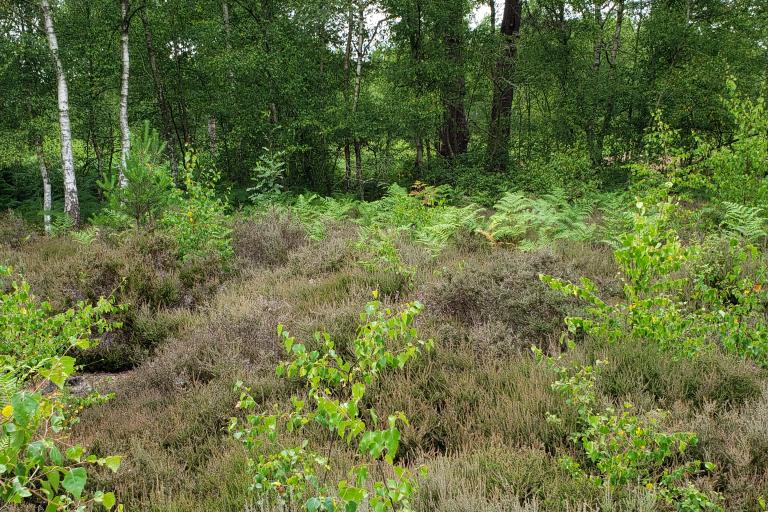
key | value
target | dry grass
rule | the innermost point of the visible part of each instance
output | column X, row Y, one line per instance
column 478, row 405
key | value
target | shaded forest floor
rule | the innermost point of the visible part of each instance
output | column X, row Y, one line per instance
column 478, row 405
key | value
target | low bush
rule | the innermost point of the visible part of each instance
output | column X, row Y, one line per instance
column 291, row 474
column 267, row 239
column 502, row 289
column 658, row 307
column 38, row 463
column 623, row 449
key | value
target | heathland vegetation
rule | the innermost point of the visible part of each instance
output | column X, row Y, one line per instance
column 383, row 256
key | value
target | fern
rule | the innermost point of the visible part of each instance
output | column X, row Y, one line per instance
column 315, row 212
column 746, row 221
column 445, row 223
column 86, row 236
column 530, row 223
column 512, row 220
column 7, row 388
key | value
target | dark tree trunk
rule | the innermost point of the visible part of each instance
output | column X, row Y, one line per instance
column 454, row 132
column 347, row 59
column 166, row 114
column 503, row 89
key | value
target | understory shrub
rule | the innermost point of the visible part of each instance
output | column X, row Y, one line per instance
column 38, row 462
column 657, row 306
column 623, row 449
column 288, row 474
column 198, row 220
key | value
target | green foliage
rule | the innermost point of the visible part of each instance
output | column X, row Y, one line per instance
column 622, row 449
column 268, row 176
column 149, row 185
column 198, row 219
column 334, row 388
column 745, row 221
column 530, row 223
column 315, row 212
column 739, row 169
column 37, row 462
column 379, row 252
column 32, row 333
column 86, row 236
column 657, row 304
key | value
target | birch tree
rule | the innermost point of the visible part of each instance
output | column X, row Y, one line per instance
column 71, row 202
column 361, row 5
column 125, row 134
column 47, row 202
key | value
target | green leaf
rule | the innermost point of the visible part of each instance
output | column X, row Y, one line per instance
column 313, row 504
column 108, row 501
column 61, row 369
column 25, row 406
column 113, row 462
column 74, row 482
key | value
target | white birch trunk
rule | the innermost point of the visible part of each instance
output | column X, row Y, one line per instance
column 125, row 134
column 71, row 203
column 46, row 188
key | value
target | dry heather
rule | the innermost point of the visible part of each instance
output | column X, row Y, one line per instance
column 478, row 405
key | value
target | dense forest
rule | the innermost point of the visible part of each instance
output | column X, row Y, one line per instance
column 384, row 255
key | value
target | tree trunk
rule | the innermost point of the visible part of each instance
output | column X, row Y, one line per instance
column 419, row 152
column 347, row 166
column 46, row 186
column 228, row 42
column 503, row 89
column 610, row 104
column 347, row 59
column 492, row 5
column 356, row 95
column 125, row 134
column 359, row 168
column 598, row 46
column 617, row 32
column 71, row 202
column 212, row 134
column 166, row 114
column 454, row 132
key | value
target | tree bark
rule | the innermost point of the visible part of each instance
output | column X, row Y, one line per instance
column 46, row 186
column 356, row 95
column 212, row 134
column 503, row 89
column 419, row 152
column 228, row 42
column 617, row 32
column 166, row 114
column 492, row 5
column 125, row 133
column 610, row 104
column 347, row 59
column 71, row 202
column 598, row 46
column 454, row 132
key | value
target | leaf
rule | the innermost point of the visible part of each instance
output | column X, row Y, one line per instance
column 61, row 369
column 25, row 406
column 74, row 482
column 313, row 504
column 113, row 462
column 108, row 501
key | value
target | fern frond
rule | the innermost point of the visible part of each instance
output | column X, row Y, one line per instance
column 746, row 221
